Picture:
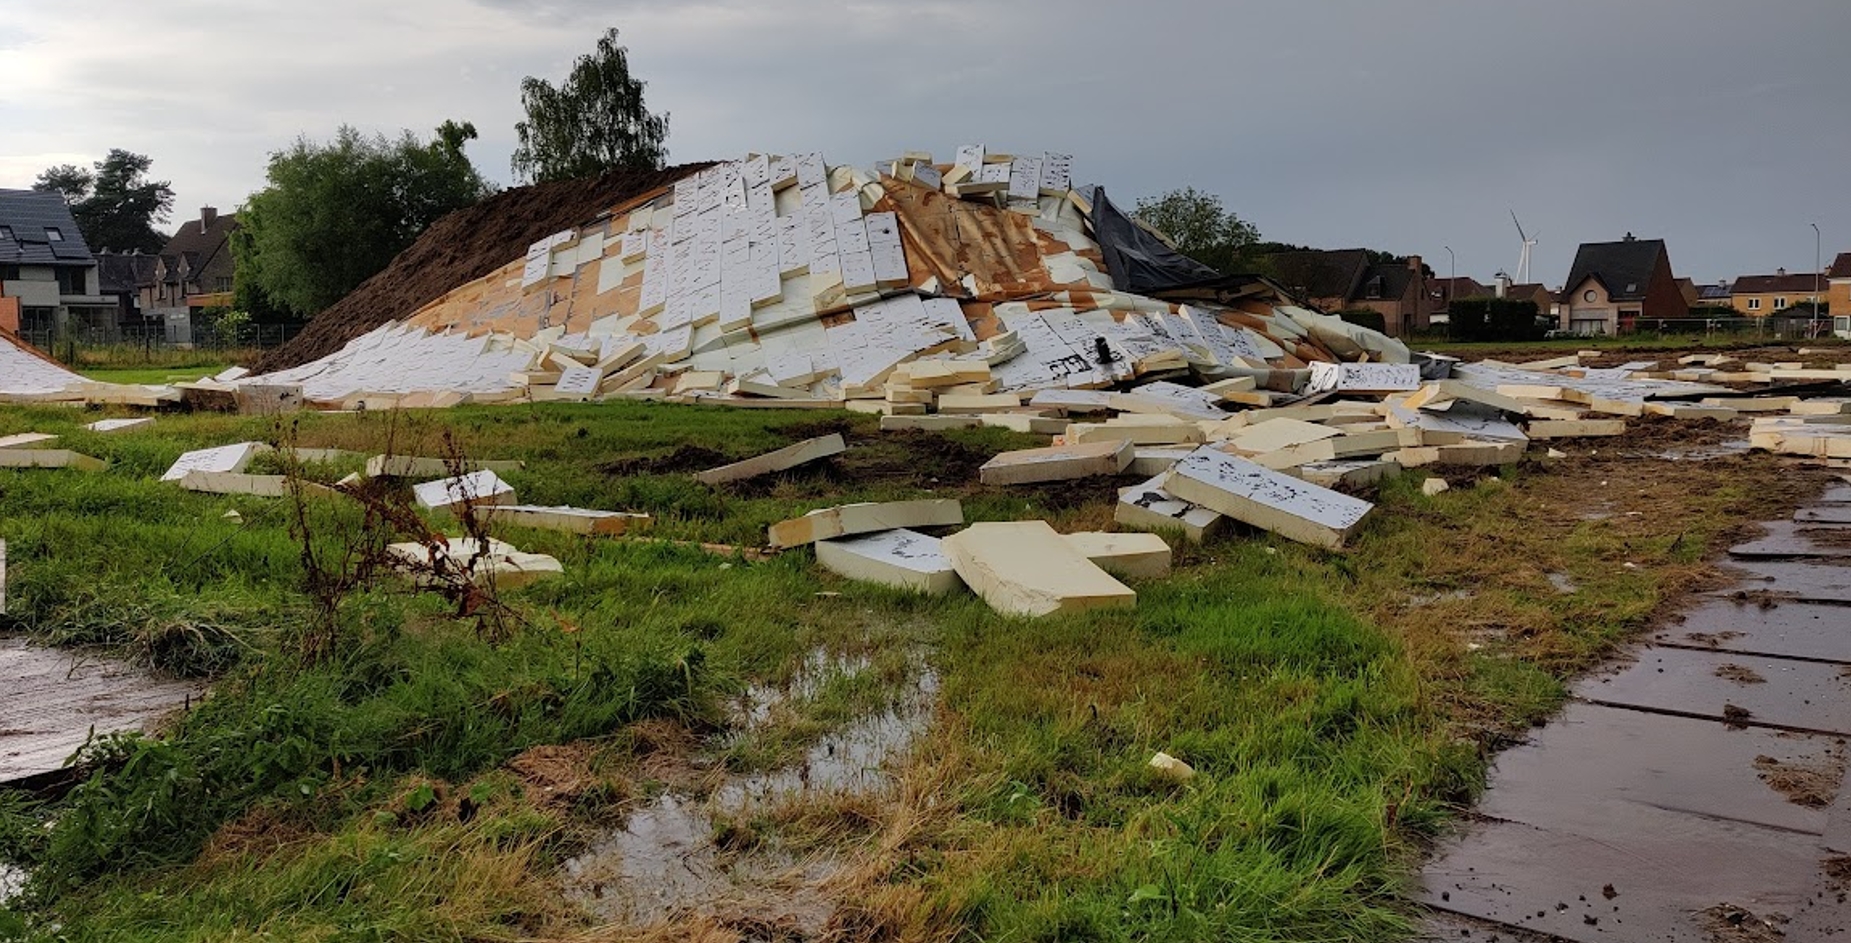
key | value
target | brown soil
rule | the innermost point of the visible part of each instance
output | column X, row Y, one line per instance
column 1740, row 674
column 1838, row 870
column 1726, row 923
column 916, row 459
column 557, row 773
column 1812, row 783
column 685, row 459
column 1711, row 639
column 1665, row 434
column 1827, row 536
column 460, row 248
column 262, row 831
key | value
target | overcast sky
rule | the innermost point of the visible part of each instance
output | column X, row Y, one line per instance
column 1405, row 125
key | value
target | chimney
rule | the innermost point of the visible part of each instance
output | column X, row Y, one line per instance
column 1630, row 237
column 1502, row 281
column 1780, row 271
column 207, row 216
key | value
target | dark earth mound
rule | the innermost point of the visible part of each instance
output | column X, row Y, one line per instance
column 461, row 248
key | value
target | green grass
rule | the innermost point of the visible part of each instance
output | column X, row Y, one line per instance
column 158, row 374
column 1330, row 724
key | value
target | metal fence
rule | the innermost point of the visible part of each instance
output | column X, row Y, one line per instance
column 1744, row 329
column 154, row 336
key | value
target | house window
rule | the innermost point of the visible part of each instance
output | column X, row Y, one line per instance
column 6, row 232
column 9, row 273
column 1754, row 304
column 1779, row 303
column 53, row 234
column 71, row 281
column 1588, row 295
column 222, row 283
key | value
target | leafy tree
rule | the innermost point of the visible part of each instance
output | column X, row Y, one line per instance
column 1199, row 226
column 332, row 215
column 117, row 206
column 1495, row 319
column 593, row 122
column 68, row 180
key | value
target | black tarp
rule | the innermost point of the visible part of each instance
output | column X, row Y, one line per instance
column 1137, row 261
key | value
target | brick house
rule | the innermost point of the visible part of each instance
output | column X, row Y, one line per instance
column 1346, row 279
column 1758, row 296
column 196, row 267
column 1614, row 285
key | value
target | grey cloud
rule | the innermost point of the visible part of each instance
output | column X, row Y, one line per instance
column 1407, row 125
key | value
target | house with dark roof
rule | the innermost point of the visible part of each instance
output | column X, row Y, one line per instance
column 196, row 267
column 1442, row 291
column 1838, row 293
column 124, row 277
column 1535, row 292
column 45, row 268
column 1761, row 295
column 1713, row 296
column 1614, row 285
column 1346, row 280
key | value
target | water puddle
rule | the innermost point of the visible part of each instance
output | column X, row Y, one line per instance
column 1696, row 453
column 685, row 851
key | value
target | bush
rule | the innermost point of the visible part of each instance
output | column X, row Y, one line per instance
column 1365, row 317
column 1495, row 319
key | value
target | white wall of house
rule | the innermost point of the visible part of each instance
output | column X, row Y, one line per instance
column 1589, row 310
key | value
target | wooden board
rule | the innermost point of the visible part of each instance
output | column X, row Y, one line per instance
column 1150, row 507
column 850, row 519
column 809, row 450
column 49, row 458
column 477, row 487
column 1024, row 568
column 224, row 458
column 1057, row 463
column 901, row 558
column 1132, row 555
column 1266, row 499
column 570, row 519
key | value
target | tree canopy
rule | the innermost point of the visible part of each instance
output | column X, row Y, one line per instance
column 332, row 215
column 1199, row 226
column 594, row 122
column 115, row 205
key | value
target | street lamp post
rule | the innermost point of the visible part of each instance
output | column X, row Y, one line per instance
column 1452, row 287
column 1816, row 261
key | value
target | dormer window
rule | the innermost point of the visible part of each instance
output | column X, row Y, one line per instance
column 54, row 234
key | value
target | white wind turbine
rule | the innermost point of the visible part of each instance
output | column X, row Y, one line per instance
column 1523, row 261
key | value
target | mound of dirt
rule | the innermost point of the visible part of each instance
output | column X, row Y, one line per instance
column 460, row 248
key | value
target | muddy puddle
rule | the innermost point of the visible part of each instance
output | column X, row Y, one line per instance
column 1692, row 453
column 686, row 851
